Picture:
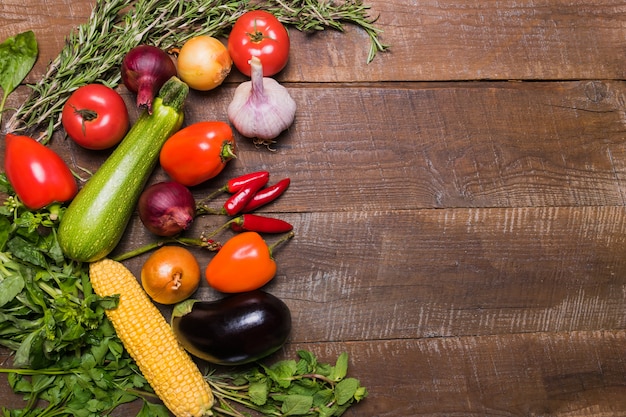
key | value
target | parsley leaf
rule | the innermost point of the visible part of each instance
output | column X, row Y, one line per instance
column 65, row 350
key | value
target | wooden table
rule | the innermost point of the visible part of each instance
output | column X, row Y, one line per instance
column 459, row 202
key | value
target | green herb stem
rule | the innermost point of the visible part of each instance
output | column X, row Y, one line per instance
column 227, row 393
column 55, row 293
column 32, row 372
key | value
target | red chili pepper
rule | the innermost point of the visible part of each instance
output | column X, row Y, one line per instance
column 238, row 201
column 236, row 184
column 267, row 195
column 261, row 224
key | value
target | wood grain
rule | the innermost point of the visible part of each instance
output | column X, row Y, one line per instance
column 433, row 40
column 459, row 203
column 482, row 144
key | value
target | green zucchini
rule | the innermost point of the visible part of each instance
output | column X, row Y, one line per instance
column 96, row 219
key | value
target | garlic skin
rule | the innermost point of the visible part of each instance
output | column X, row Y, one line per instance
column 261, row 108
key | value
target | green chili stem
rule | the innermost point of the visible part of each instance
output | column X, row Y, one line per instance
column 280, row 241
column 202, row 243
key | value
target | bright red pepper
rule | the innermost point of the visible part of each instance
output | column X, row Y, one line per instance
column 261, row 224
column 237, row 183
column 267, row 195
column 240, row 199
column 198, row 152
column 37, row 174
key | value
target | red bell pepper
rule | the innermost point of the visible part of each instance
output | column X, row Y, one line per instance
column 38, row 175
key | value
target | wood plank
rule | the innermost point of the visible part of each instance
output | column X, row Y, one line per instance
column 565, row 374
column 434, row 146
column 461, row 237
column 435, row 273
column 433, row 40
column 421, row 146
column 456, row 40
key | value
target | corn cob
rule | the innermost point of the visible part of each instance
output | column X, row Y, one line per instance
column 150, row 341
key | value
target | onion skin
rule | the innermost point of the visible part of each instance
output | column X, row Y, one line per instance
column 170, row 275
column 235, row 330
column 203, row 63
column 145, row 69
column 166, row 208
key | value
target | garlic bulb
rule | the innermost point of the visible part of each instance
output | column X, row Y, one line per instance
column 261, row 108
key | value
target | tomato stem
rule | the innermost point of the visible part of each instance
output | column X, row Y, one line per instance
column 86, row 114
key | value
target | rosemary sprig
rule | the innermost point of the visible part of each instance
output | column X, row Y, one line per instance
column 94, row 51
column 310, row 15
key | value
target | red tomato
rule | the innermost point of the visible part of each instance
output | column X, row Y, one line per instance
column 198, row 152
column 259, row 33
column 37, row 174
column 95, row 116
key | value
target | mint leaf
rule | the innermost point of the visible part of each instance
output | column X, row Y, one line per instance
column 309, row 359
column 325, row 369
column 341, row 368
column 361, row 392
column 296, row 405
column 325, row 411
column 258, row 391
column 345, row 390
column 304, row 386
column 282, row 372
column 323, row 396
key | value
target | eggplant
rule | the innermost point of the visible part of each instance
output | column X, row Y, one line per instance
column 234, row 330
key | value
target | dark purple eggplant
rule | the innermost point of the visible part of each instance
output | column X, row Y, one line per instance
column 235, row 330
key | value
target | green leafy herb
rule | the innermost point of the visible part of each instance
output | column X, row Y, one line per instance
column 94, row 51
column 17, row 57
column 65, row 351
column 289, row 388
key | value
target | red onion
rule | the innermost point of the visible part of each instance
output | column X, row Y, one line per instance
column 167, row 208
column 145, row 69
